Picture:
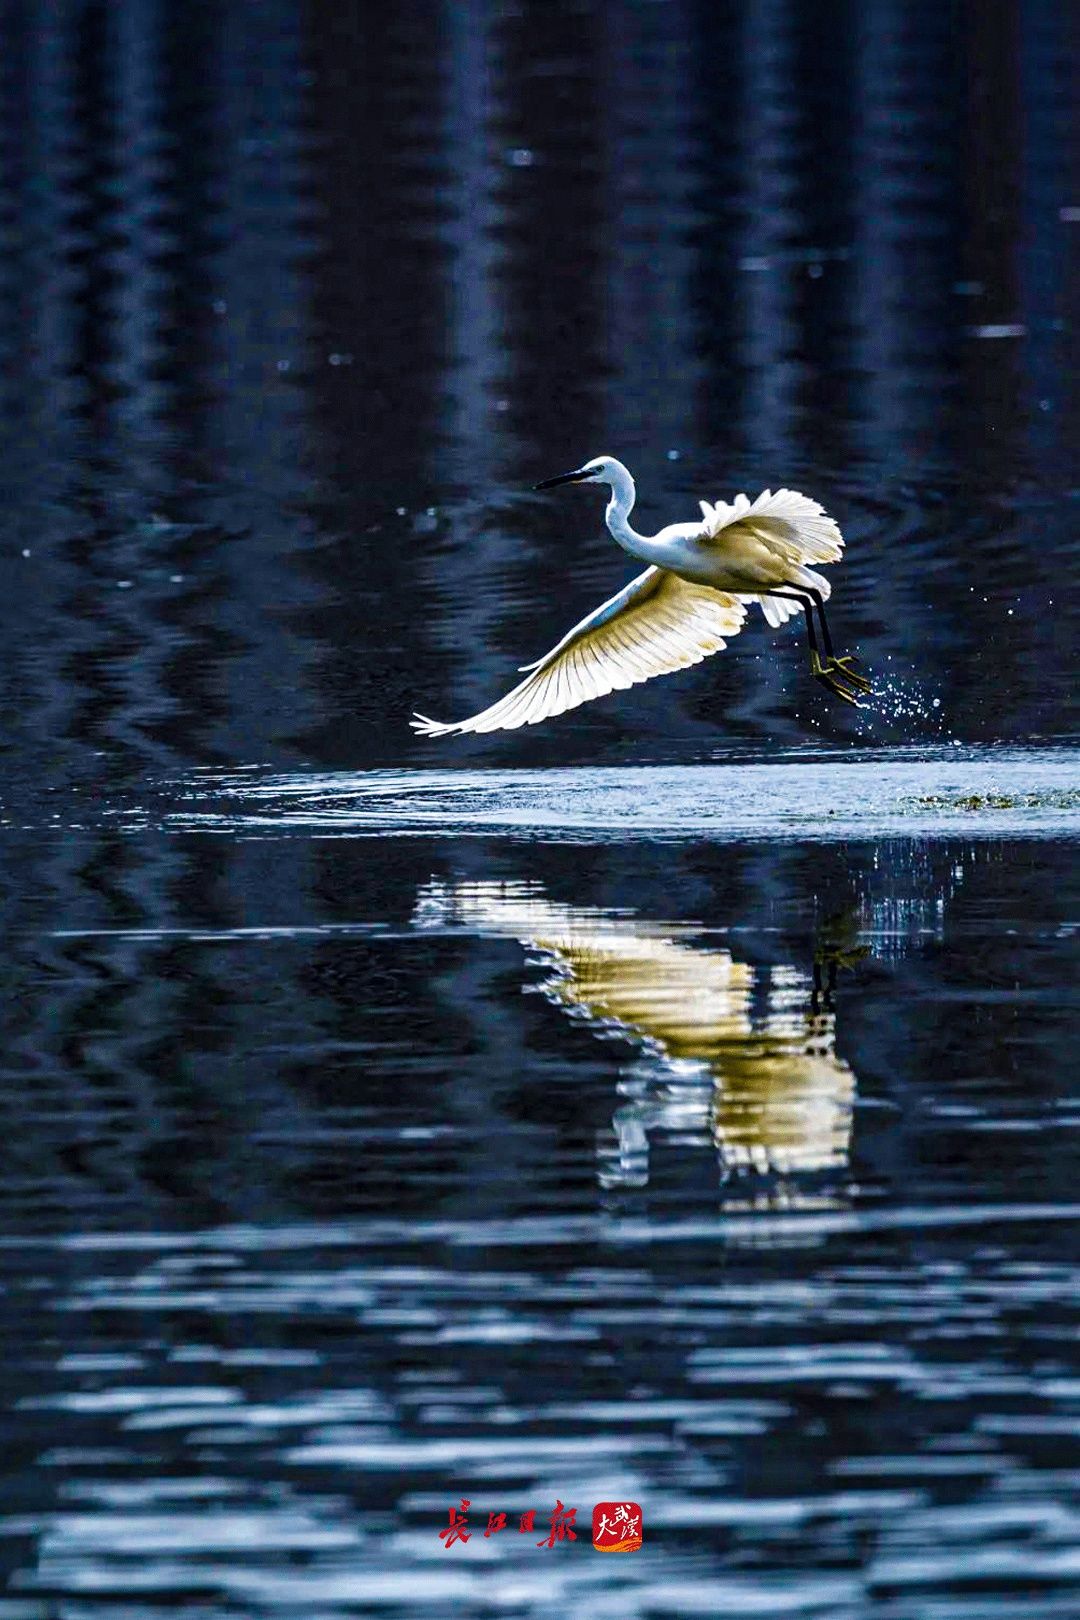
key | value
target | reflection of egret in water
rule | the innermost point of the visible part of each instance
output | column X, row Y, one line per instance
column 741, row 1054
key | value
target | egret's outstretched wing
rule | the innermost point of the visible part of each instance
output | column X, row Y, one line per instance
column 657, row 624
column 787, row 526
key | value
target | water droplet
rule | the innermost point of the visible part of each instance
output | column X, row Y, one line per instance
column 998, row 329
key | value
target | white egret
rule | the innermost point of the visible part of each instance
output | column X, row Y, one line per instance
column 691, row 598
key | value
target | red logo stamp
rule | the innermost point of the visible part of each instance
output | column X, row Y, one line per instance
column 616, row 1527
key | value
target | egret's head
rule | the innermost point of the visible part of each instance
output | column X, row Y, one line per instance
column 600, row 470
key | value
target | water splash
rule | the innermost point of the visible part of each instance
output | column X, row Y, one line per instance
column 902, row 704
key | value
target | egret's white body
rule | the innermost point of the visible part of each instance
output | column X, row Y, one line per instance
column 687, row 604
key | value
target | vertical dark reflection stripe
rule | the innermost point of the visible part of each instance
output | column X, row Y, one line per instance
column 766, row 227
column 988, row 421
column 906, row 94
column 908, row 90
column 991, row 164
column 766, row 317
column 189, row 212
column 1048, row 47
column 123, row 597
column 377, row 384
column 469, row 451
column 720, row 92
column 474, row 452
column 43, row 437
column 552, row 221
column 140, row 240
column 652, row 119
column 823, row 57
column 258, row 416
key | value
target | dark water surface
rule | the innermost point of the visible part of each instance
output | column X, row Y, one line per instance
column 674, row 1104
column 349, row 1176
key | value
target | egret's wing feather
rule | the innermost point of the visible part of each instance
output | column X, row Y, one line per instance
column 637, row 590
column 657, row 624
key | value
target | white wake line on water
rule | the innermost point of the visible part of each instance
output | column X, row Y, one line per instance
column 532, row 1231
column 1033, row 795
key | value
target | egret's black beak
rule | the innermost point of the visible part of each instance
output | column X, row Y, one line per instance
column 565, row 478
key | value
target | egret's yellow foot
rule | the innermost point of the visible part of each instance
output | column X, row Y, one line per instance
column 823, row 673
column 848, row 672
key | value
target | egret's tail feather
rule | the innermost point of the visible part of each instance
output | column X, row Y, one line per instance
column 816, row 581
column 777, row 609
column 798, row 528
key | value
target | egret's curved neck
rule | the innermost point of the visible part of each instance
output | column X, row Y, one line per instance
column 619, row 507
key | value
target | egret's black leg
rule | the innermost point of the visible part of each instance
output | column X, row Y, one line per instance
column 831, row 660
column 806, row 605
column 830, row 675
column 823, row 993
column 819, row 602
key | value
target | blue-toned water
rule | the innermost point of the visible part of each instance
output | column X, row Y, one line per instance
column 731, row 1177
column 674, row 1104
